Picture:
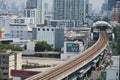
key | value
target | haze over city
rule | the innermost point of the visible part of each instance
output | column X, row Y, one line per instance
column 59, row 39
column 96, row 3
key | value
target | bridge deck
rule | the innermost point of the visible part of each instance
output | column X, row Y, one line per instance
column 61, row 71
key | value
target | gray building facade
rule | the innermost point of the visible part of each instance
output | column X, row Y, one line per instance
column 52, row 35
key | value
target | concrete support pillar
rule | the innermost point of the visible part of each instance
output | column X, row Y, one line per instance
column 66, row 78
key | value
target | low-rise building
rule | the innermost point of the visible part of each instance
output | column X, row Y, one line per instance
column 72, row 48
column 22, row 28
column 9, row 61
column 61, row 23
column 53, row 35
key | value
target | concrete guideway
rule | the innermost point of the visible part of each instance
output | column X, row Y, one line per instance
column 61, row 71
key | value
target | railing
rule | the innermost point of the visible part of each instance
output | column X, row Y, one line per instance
column 61, row 71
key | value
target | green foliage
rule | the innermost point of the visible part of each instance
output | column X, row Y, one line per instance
column 116, row 43
column 42, row 46
column 10, row 46
column 45, row 55
column 57, row 49
column 100, row 79
column 106, row 19
column 41, row 25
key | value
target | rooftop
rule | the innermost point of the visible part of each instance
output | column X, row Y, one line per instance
column 7, row 52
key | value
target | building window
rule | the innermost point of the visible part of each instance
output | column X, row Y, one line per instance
column 43, row 29
column 31, row 20
column 3, row 56
column 16, row 20
column 3, row 68
column 28, row 13
column 22, row 21
column 3, row 62
column 12, row 35
column 47, row 29
column 52, row 29
column 116, row 73
column 12, row 31
column 5, row 73
column 38, row 29
column 17, row 35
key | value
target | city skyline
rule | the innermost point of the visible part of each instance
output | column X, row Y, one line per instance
column 96, row 4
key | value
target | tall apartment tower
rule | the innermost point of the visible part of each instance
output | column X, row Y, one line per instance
column 69, row 10
column 40, row 11
column 35, row 8
column 9, row 61
column 111, row 4
column 31, row 4
column 116, row 12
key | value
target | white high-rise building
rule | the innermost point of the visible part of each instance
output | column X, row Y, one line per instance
column 40, row 11
column 31, row 13
column 35, row 8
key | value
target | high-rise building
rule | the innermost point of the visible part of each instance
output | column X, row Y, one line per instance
column 40, row 11
column 87, row 6
column 111, row 4
column 116, row 12
column 70, row 10
column 31, row 4
column 35, row 8
column 31, row 13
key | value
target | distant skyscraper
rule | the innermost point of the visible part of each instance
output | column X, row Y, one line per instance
column 116, row 12
column 35, row 8
column 46, row 6
column 111, row 4
column 69, row 10
column 31, row 4
column 40, row 11
column 87, row 5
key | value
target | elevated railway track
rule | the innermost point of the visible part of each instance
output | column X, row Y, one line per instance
column 61, row 71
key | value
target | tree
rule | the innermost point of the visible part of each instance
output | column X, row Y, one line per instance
column 10, row 46
column 116, row 44
column 42, row 46
column 106, row 19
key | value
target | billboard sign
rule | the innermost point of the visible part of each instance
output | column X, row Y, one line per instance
column 72, row 48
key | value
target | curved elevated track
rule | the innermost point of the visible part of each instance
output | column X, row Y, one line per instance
column 80, row 60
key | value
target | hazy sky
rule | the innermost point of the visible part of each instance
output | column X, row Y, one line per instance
column 96, row 3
